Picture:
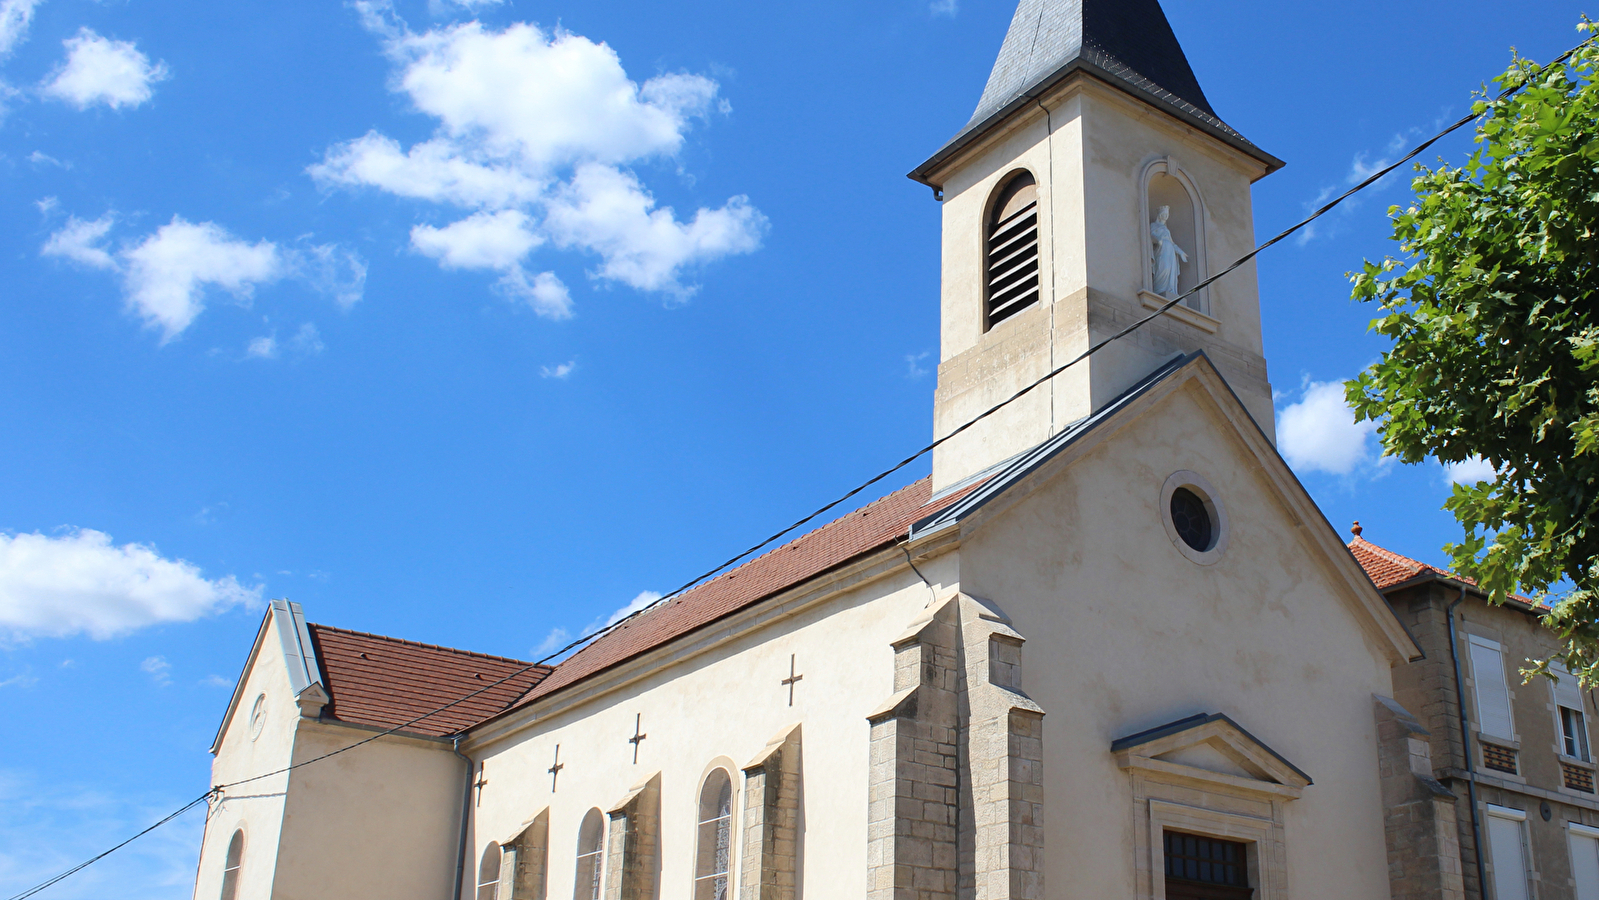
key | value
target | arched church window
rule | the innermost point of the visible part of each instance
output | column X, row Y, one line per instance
column 231, row 866
column 590, row 844
column 488, row 873
column 714, row 856
column 1010, row 251
column 1174, row 223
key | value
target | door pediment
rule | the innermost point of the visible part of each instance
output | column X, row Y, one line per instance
column 1211, row 749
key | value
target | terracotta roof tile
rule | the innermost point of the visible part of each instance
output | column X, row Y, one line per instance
column 385, row 682
column 866, row 529
column 1387, row 568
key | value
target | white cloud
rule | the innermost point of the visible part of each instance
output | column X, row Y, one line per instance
column 216, row 681
column 487, row 240
column 264, row 347
column 558, row 371
column 39, row 158
column 534, row 131
column 168, row 273
column 442, row 8
column 15, row 16
column 606, row 210
column 1470, row 471
column 79, row 583
column 645, row 598
column 159, row 670
column 1320, row 434
column 555, row 640
column 307, row 340
column 334, row 271
column 913, row 364
column 80, row 241
column 944, row 7
column 105, row 71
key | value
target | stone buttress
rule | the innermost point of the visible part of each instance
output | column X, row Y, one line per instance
column 956, row 787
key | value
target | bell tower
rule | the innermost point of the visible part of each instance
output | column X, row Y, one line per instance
column 1093, row 183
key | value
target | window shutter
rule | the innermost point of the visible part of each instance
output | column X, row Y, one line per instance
column 1585, row 864
column 1566, row 691
column 1504, row 848
column 1493, row 696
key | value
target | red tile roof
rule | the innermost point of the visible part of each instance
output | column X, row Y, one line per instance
column 866, row 529
column 1387, row 568
column 385, row 682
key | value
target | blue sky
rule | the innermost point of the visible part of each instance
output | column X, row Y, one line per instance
column 472, row 322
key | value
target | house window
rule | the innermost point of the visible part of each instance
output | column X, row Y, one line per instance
column 715, row 853
column 1573, row 724
column 232, row 865
column 1583, row 842
column 488, row 873
column 590, row 843
column 1508, row 852
column 1493, row 695
column 1203, row 868
column 1011, row 249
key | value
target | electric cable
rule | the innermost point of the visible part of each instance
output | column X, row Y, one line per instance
column 1375, row 177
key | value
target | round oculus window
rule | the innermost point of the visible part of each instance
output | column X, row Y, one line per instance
column 258, row 717
column 1192, row 520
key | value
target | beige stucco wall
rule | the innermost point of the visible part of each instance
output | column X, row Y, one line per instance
column 1125, row 633
column 378, row 821
column 1090, row 148
column 257, row 808
column 719, row 707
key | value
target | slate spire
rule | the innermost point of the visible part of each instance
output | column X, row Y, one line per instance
column 1127, row 38
column 1126, row 43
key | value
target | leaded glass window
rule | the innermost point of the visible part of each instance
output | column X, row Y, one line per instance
column 590, row 844
column 714, row 856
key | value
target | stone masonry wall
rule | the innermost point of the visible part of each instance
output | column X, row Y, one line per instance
column 633, row 849
column 771, row 822
column 1418, row 812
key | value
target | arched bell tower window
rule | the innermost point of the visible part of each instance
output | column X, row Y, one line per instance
column 590, row 842
column 714, row 855
column 232, row 865
column 488, row 873
column 1010, row 249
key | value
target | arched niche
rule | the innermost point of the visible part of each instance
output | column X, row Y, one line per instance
column 1165, row 184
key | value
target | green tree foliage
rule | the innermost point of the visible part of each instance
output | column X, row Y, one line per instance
column 1493, row 308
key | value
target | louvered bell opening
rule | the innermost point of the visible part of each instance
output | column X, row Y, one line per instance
column 1013, row 250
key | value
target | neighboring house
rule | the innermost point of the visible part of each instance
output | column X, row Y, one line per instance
column 1204, row 709
column 1520, row 758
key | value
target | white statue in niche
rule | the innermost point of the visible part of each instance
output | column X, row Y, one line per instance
column 1168, row 257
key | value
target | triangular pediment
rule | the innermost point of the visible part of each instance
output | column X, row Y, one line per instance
column 1210, row 748
column 1012, row 481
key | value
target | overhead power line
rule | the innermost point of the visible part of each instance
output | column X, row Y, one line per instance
column 220, row 790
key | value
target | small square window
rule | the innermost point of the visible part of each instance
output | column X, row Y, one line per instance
column 1204, row 868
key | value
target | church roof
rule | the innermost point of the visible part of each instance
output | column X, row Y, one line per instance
column 385, row 682
column 1389, row 570
column 1125, row 43
column 876, row 525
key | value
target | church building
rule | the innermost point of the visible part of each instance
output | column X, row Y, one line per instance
column 1110, row 648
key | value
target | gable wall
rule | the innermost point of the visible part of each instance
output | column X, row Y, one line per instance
column 1125, row 633
column 380, row 821
column 257, row 807
column 720, row 708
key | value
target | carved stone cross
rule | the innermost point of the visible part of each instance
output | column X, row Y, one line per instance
column 637, row 736
column 555, row 770
column 481, row 781
column 791, row 680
